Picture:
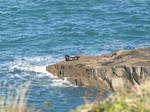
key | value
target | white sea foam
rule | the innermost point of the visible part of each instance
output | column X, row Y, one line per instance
column 59, row 82
column 35, row 69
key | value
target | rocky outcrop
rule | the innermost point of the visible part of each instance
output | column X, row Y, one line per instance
column 118, row 69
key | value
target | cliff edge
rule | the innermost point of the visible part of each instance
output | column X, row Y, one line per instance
column 118, row 69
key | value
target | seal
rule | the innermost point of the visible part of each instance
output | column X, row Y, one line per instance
column 69, row 58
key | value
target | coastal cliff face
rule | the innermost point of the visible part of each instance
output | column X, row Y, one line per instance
column 118, row 69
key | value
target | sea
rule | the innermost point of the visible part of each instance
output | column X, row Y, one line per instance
column 37, row 33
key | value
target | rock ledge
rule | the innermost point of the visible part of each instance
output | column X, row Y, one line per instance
column 118, row 69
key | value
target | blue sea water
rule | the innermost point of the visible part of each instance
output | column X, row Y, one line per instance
column 36, row 33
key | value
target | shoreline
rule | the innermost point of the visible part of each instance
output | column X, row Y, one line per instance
column 115, row 70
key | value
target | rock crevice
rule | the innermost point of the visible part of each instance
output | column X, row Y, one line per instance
column 118, row 69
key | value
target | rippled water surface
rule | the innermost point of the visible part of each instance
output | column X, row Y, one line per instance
column 36, row 33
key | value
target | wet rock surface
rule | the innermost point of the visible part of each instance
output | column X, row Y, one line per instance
column 118, row 69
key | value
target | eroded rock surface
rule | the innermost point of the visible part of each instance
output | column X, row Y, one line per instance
column 118, row 69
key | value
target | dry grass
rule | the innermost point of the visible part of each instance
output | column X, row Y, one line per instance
column 13, row 99
column 136, row 99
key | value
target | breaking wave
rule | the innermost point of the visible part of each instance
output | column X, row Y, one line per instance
column 34, row 69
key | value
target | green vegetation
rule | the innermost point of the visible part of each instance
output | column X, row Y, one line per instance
column 136, row 99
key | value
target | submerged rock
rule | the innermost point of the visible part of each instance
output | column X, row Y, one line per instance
column 118, row 69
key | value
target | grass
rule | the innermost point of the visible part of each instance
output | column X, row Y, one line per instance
column 136, row 99
column 13, row 99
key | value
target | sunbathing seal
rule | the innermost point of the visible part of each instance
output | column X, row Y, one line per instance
column 69, row 58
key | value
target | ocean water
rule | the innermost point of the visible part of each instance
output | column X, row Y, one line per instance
column 36, row 33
